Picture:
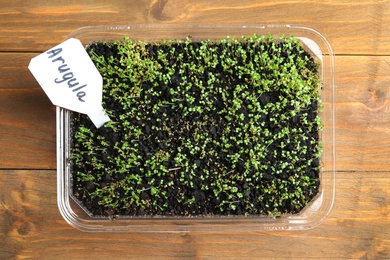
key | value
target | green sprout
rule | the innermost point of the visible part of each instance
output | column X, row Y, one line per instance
column 226, row 127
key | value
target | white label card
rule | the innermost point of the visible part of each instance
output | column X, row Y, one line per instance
column 70, row 79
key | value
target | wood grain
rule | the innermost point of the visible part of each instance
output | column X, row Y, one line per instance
column 27, row 125
column 27, row 118
column 362, row 113
column 353, row 27
column 32, row 227
column 358, row 227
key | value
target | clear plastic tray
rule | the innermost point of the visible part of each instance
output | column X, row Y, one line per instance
column 311, row 216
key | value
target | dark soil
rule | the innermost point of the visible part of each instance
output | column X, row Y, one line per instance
column 229, row 166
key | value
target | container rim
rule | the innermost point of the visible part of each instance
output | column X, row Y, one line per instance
column 292, row 222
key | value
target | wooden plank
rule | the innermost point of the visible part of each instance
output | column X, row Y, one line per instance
column 32, row 227
column 353, row 27
column 27, row 119
column 362, row 113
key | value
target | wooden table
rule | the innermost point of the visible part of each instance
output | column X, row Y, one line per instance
column 357, row 227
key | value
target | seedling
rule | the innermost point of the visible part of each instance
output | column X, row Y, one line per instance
column 228, row 127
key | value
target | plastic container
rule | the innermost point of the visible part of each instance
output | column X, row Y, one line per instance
column 311, row 216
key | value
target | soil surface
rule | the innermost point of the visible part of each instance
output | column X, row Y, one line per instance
column 222, row 146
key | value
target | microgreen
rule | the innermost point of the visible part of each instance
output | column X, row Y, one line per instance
column 201, row 128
